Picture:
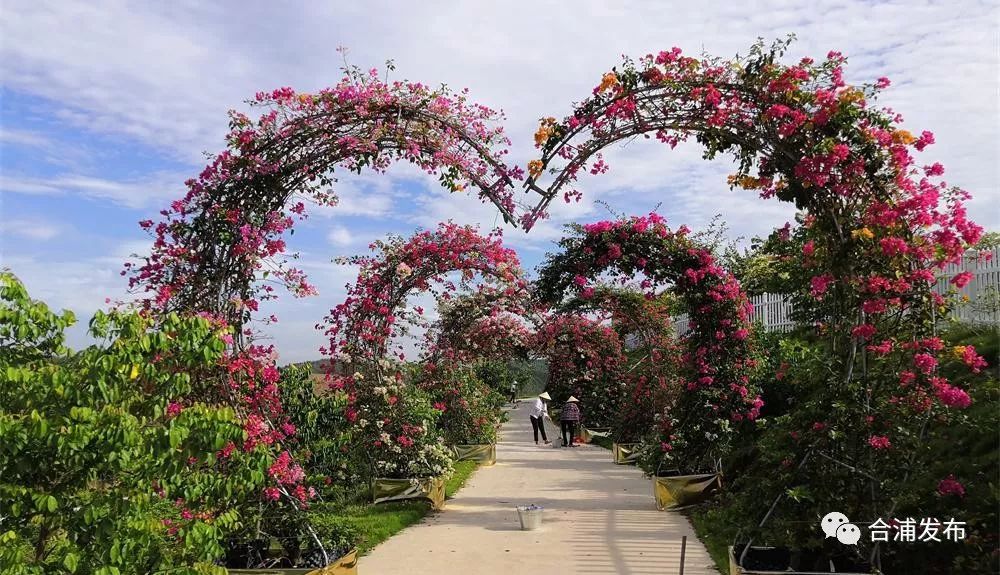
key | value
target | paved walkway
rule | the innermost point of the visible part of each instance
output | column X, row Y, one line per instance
column 599, row 519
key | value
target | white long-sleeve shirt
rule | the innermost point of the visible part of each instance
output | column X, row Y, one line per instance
column 538, row 409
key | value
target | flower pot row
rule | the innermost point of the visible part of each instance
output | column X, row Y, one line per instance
column 784, row 561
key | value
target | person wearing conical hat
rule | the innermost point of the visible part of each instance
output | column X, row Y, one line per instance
column 538, row 415
column 569, row 418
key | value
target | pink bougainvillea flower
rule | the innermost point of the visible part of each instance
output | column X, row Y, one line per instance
column 961, row 279
column 174, row 409
column 879, row 442
column 925, row 362
column 950, row 486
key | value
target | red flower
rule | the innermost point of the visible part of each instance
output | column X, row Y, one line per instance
column 174, row 409
column 925, row 362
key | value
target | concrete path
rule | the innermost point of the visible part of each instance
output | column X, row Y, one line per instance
column 599, row 519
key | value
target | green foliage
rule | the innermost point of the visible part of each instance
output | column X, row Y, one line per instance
column 337, row 533
column 96, row 470
column 498, row 375
column 322, row 434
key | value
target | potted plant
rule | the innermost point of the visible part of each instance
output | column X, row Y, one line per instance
column 408, row 459
column 469, row 412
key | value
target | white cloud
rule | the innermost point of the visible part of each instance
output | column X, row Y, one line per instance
column 23, row 138
column 29, row 229
column 153, row 190
column 340, row 236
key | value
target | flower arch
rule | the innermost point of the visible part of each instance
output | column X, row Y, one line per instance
column 716, row 357
column 361, row 329
column 801, row 134
column 875, row 228
column 219, row 248
column 652, row 350
column 488, row 324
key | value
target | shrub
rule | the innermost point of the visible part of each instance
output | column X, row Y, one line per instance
column 396, row 431
column 470, row 410
column 106, row 469
column 322, row 434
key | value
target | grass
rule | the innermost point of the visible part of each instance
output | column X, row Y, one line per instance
column 376, row 523
column 715, row 537
column 463, row 470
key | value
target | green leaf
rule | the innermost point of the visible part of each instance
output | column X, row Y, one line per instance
column 70, row 562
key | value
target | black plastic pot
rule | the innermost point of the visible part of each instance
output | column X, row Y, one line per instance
column 246, row 554
column 763, row 558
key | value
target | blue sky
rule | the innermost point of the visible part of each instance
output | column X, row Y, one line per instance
column 107, row 107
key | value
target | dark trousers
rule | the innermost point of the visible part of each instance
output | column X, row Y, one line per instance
column 538, row 424
column 568, row 430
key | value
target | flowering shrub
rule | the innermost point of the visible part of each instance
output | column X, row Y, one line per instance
column 109, row 465
column 396, row 428
column 485, row 325
column 319, row 433
column 716, row 391
column 585, row 360
column 470, row 410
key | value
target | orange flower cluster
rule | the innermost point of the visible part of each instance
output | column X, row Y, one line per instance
column 745, row 182
column 545, row 131
column 608, row 81
column 903, row 137
column 535, row 168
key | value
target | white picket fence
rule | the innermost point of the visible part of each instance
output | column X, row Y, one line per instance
column 978, row 301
